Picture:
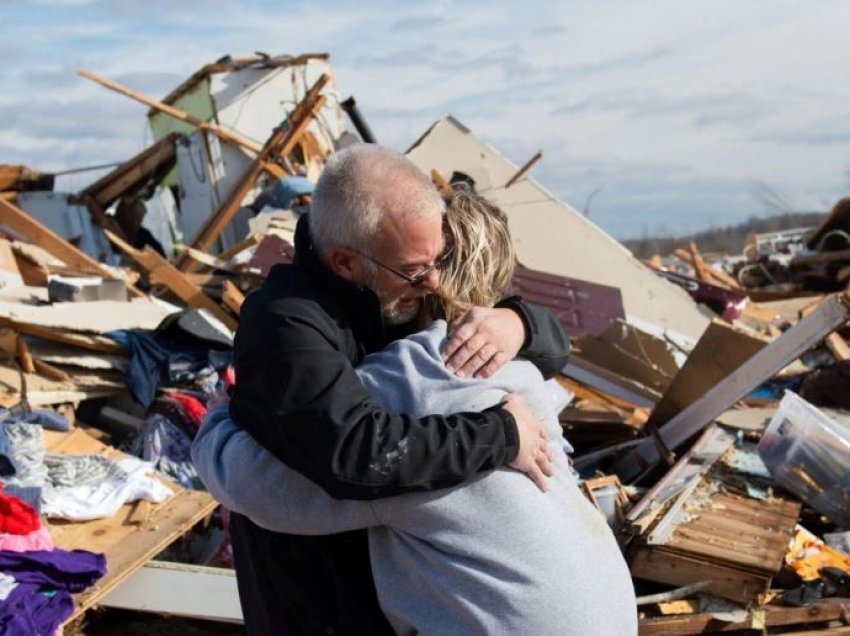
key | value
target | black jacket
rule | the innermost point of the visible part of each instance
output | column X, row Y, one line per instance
column 300, row 337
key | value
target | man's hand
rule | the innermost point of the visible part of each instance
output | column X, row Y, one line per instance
column 534, row 457
column 482, row 340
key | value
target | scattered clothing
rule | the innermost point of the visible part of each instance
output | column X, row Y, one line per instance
column 129, row 480
column 79, row 470
column 157, row 362
column 24, row 451
column 17, row 517
column 40, row 600
column 168, row 448
column 7, row 584
column 39, row 539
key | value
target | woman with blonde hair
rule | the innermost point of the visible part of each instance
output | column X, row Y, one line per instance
column 492, row 556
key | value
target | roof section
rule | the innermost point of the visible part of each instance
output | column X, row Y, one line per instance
column 228, row 64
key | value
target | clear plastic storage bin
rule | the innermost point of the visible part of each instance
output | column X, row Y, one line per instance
column 808, row 453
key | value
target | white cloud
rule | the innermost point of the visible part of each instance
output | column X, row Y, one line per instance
column 673, row 109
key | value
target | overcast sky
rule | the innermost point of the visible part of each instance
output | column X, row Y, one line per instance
column 677, row 115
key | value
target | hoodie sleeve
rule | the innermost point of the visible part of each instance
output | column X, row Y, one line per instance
column 246, row 478
column 546, row 346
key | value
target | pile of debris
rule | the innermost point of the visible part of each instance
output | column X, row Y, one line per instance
column 704, row 416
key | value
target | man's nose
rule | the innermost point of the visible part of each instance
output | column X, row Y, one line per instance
column 431, row 281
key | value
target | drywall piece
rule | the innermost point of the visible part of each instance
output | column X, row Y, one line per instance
column 551, row 236
column 97, row 316
column 828, row 316
column 180, row 589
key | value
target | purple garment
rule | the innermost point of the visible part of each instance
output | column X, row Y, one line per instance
column 46, row 579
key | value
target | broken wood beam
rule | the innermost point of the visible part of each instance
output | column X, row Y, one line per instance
column 21, row 222
column 131, row 175
column 161, row 272
column 278, row 147
column 524, row 169
column 232, row 296
column 219, row 131
column 713, row 276
column 833, row 312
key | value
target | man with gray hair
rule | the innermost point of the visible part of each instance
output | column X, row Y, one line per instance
column 367, row 254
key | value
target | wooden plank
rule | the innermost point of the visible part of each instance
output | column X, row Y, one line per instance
column 721, row 349
column 99, row 215
column 127, row 546
column 161, row 272
column 831, row 609
column 700, row 267
column 667, row 566
column 240, row 247
column 763, row 365
column 278, row 146
column 219, row 131
column 99, row 344
column 528, row 165
column 26, row 225
column 132, row 174
column 232, row 296
column 837, row 346
column 22, row 353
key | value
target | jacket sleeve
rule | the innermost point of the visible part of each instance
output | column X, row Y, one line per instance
column 248, row 479
column 547, row 346
column 299, row 396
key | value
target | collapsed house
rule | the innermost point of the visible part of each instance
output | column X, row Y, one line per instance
column 118, row 305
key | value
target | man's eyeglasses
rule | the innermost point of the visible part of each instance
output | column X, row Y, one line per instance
column 419, row 277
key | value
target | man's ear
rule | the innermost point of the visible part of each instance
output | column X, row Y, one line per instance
column 344, row 263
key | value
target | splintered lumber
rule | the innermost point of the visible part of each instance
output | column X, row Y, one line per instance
column 127, row 546
column 704, row 272
column 709, row 533
column 837, row 346
column 698, row 263
column 278, row 146
column 830, row 314
column 21, row 222
column 775, row 616
column 161, row 272
column 89, row 342
column 524, row 169
column 232, row 297
column 22, row 353
column 131, row 175
column 720, row 350
column 440, row 181
column 219, row 131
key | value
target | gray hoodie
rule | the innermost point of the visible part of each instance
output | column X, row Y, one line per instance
column 493, row 556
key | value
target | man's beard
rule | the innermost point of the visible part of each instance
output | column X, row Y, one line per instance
column 391, row 310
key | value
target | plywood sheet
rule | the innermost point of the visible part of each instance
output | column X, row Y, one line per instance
column 42, row 391
column 721, row 350
column 128, row 539
column 553, row 237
